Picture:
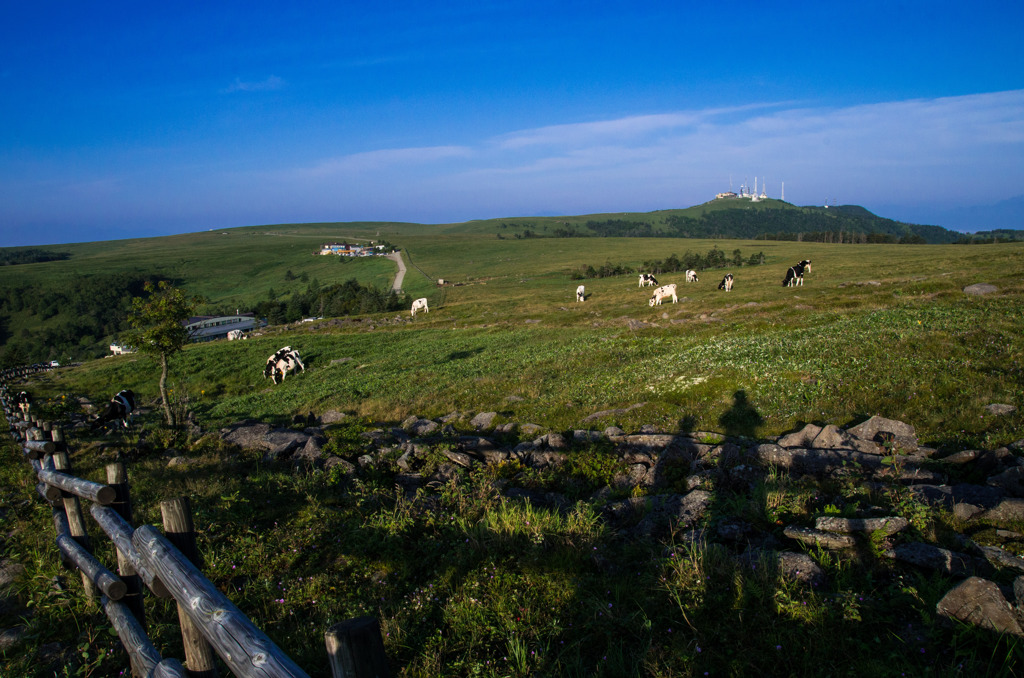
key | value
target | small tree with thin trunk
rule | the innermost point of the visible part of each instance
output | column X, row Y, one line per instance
column 158, row 328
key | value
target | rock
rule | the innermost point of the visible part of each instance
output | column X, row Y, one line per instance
column 275, row 443
column 795, row 566
column 889, row 525
column 347, row 467
column 10, row 570
column 332, row 417
column 831, row 437
column 829, row 540
column 11, row 638
column 556, row 441
column 460, row 458
column 935, row 558
column 980, row 289
column 998, row 409
column 1001, row 558
column 1007, row 510
column 177, row 461
column 801, row 438
column 884, row 431
column 422, row 427
column 583, row 437
column 961, row 457
column 312, row 452
column 965, row 511
column 821, row 463
column 1011, row 481
column 981, row 603
column 678, row 511
column 530, row 429
column 483, row 421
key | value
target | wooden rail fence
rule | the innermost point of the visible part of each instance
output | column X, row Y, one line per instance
column 165, row 565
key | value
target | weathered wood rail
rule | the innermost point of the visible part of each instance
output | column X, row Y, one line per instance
column 165, row 565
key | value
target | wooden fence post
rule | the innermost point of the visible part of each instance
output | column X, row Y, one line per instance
column 355, row 649
column 117, row 477
column 180, row 531
column 76, row 521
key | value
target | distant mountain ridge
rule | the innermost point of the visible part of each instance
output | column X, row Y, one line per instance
column 736, row 218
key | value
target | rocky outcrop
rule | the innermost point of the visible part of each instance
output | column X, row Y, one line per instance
column 666, row 481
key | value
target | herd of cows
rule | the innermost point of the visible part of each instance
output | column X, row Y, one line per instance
column 794, row 277
column 286, row 360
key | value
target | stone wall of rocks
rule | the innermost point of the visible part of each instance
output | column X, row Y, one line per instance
column 880, row 452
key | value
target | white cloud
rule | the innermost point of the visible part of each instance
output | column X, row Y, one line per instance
column 269, row 84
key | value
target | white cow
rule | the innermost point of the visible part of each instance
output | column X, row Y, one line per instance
column 691, row 276
column 726, row 283
column 647, row 280
column 581, row 293
column 235, row 334
column 662, row 293
column 420, row 305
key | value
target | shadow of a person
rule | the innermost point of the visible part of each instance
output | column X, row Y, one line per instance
column 741, row 420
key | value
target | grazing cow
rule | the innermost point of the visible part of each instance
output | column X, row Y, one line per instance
column 581, row 294
column 726, row 283
column 663, row 292
column 419, row 305
column 119, row 408
column 648, row 280
column 285, row 360
column 691, row 276
column 795, row 274
column 24, row 402
column 235, row 334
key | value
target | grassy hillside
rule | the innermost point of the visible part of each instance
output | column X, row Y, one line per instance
column 887, row 330
column 468, row 581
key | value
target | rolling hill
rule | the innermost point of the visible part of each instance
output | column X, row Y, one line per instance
column 68, row 302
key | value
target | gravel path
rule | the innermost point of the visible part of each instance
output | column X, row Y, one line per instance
column 400, row 276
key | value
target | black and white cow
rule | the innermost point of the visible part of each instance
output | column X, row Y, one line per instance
column 285, row 360
column 581, row 293
column 119, row 408
column 726, row 283
column 691, row 276
column 648, row 280
column 24, row 402
column 795, row 274
column 663, row 292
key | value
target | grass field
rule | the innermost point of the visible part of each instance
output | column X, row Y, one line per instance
column 467, row 582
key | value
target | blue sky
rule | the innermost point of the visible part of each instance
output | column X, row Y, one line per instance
column 134, row 119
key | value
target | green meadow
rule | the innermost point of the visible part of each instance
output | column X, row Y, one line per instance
column 467, row 582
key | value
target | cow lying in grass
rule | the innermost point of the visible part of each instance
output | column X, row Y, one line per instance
column 662, row 293
column 691, row 276
column 795, row 274
column 581, row 293
column 119, row 408
column 285, row 360
column 726, row 283
column 419, row 305
column 647, row 280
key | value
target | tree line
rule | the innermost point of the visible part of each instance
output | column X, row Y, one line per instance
column 32, row 255
column 842, row 225
column 715, row 258
column 332, row 301
column 73, row 317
